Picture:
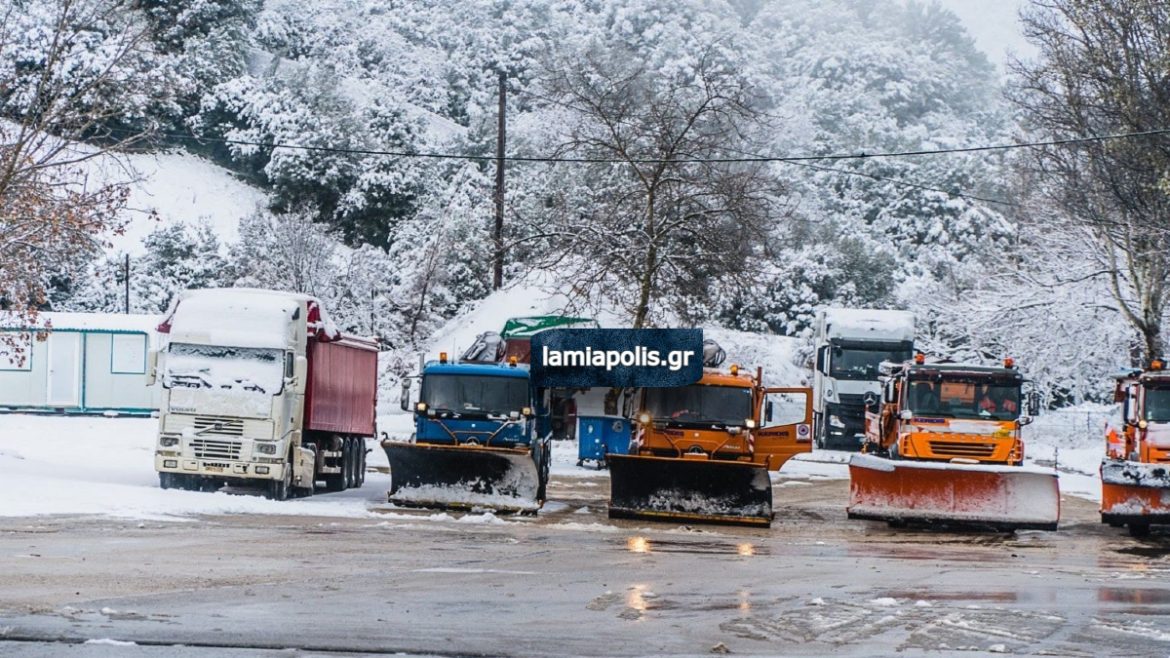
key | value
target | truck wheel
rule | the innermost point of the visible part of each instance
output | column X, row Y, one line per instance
column 351, row 463
column 1139, row 530
column 361, row 462
column 166, row 480
column 542, row 490
column 279, row 489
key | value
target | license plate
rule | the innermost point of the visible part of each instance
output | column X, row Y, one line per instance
column 214, row 468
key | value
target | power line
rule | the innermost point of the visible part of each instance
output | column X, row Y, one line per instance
column 736, row 160
column 906, row 183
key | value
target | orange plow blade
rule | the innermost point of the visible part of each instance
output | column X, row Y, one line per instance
column 945, row 493
column 1133, row 492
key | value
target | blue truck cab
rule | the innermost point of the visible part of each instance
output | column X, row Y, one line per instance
column 482, row 437
column 493, row 405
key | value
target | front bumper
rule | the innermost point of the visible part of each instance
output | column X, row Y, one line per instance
column 218, row 468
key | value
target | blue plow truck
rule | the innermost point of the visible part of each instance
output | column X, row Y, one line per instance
column 481, row 440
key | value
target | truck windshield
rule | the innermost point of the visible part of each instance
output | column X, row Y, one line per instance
column 981, row 399
column 862, row 363
column 249, row 369
column 1157, row 406
column 700, row 404
column 475, row 394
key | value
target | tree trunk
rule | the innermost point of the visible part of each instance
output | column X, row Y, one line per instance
column 649, row 264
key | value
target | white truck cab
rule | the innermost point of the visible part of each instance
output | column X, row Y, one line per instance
column 850, row 345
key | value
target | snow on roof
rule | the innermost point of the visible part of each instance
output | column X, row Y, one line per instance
column 869, row 323
column 88, row 321
column 241, row 317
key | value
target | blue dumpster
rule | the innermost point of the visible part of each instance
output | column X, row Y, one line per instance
column 598, row 436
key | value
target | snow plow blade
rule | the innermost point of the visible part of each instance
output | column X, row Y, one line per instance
column 462, row 477
column 946, row 493
column 1133, row 492
column 673, row 489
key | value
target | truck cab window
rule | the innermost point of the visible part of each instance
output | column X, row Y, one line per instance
column 851, row 363
column 1157, row 405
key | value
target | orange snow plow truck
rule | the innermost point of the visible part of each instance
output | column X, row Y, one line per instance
column 942, row 446
column 1135, row 474
column 702, row 452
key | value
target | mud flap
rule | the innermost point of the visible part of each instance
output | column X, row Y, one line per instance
column 978, row 495
column 1133, row 492
column 671, row 489
column 462, row 477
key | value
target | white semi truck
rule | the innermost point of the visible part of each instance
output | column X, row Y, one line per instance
column 260, row 389
column 850, row 345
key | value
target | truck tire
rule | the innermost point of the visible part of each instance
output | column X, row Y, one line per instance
column 351, row 462
column 279, row 489
column 1139, row 530
column 166, row 481
column 544, row 469
column 361, row 450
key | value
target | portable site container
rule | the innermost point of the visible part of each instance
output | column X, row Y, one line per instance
column 83, row 363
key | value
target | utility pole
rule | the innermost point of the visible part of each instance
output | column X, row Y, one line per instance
column 498, row 234
column 126, row 272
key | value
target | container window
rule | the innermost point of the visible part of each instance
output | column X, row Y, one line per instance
column 128, row 354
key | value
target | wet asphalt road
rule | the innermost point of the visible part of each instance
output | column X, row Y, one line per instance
column 572, row 582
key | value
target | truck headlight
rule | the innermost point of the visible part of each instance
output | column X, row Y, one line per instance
column 836, row 421
column 266, row 448
column 168, row 441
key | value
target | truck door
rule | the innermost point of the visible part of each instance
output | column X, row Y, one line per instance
column 784, row 427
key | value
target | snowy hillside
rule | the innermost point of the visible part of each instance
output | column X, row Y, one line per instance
column 173, row 188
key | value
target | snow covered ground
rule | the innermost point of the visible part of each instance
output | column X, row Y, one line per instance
column 104, row 466
column 71, row 465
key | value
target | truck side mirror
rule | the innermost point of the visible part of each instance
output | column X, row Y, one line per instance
column 823, row 360
column 1034, row 403
column 768, row 411
column 300, row 374
column 404, row 400
column 151, row 367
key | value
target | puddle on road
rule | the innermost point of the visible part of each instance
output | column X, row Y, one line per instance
column 1003, row 596
column 640, row 544
column 1138, row 595
column 1159, row 551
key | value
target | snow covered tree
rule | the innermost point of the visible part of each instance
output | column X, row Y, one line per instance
column 660, row 215
column 1102, row 70
column 284, row 252
column 69, row 70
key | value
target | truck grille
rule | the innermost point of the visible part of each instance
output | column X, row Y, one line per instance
column 957, row 449
column 219, row 425
column 213, row 449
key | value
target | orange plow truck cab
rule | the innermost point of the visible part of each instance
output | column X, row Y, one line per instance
column 943, row 446
column 1135, row 474
column 702, row 452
